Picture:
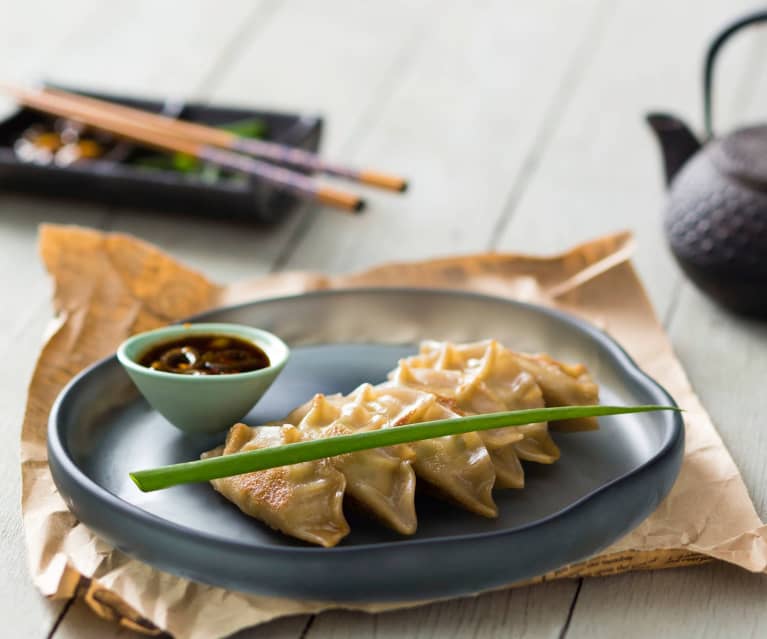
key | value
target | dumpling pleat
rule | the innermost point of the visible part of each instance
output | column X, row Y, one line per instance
column 479, row 378
column 537, row 445
column 563, row 385
column 384, row 484
column 508, row 469
column 458, row 466
column 304, row 500
column 380, row 480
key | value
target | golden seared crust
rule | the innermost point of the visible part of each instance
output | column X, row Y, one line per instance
column 269, row 488
column 303, row 500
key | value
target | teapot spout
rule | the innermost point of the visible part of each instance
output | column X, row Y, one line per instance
column 676, row 140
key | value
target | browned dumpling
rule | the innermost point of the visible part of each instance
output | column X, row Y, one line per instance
column 381, row 480
column 563, row 385
column 443, row 381
column 303, row 500
column 458, row 466
column 484, row 377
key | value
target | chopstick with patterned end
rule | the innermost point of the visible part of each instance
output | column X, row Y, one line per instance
column 279, row 153
column 290, row 181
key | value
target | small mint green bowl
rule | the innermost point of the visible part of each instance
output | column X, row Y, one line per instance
column 202, row 403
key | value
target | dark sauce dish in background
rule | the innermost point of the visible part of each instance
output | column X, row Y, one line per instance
column 119, row 178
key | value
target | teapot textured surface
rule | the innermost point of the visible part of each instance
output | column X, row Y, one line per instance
column 716, row 215
column 717, row 220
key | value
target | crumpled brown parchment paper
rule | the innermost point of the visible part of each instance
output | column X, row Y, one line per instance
column 108, row 286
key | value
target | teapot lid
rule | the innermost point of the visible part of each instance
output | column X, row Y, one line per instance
column 743, row 155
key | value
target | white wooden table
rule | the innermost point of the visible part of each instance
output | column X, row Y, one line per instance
column 520, row 124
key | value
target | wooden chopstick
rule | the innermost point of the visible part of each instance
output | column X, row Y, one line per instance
column 299, row 158
column 295, row 183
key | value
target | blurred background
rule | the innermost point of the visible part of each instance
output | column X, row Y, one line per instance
column 512, row 119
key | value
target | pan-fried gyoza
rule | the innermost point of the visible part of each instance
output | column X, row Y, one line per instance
column 443, row 380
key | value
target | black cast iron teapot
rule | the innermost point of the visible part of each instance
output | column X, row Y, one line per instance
column 716, row 217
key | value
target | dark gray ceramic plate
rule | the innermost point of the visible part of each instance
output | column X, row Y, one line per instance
column 605, row 484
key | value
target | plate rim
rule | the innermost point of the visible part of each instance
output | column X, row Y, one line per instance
column 57, row 449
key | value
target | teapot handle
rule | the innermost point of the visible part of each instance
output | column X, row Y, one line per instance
column 713, row 50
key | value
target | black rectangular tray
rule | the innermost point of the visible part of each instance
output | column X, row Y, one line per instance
column 109, row 180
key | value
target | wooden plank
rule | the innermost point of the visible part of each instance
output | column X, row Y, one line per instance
column 342, row 45
column 337, row 58
column 24, row 290
column 469, row 105
column 538, row 611
column 285, row 628
column 600, row 169
column 710, row 601
column 161, row 49
column 187, row 238
column 81, row 623
column 31, row 32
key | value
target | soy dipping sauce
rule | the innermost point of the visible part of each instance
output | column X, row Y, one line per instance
column 205, row 355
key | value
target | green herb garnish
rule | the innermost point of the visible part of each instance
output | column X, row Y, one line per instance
column 182, row 163
column 249, row 128
column 250, row 461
